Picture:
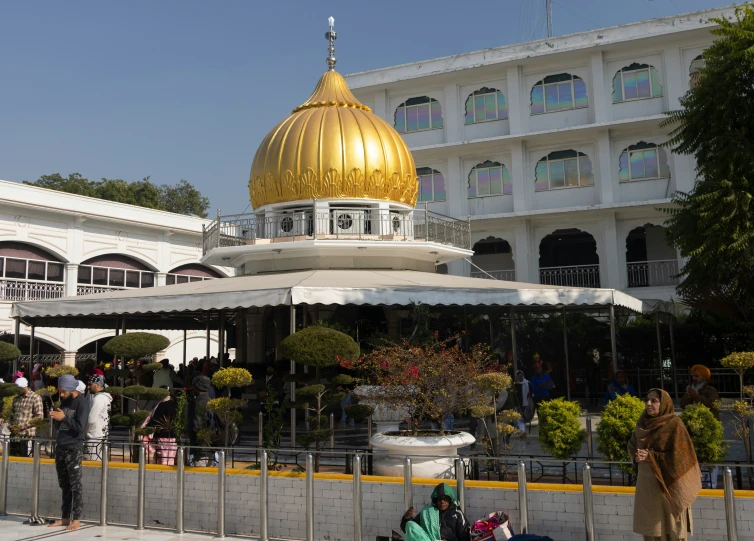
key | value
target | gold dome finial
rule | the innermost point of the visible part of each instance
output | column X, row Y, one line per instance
column 331, row 36
column 332, row 147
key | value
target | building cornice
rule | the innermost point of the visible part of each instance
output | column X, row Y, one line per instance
column 667, row 202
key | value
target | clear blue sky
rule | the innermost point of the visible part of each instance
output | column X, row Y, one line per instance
column 188, row 89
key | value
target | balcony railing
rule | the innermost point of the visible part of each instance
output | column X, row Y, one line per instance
column 336, row 224
column 509, row 275
column 574, row 276
column 27, row 290
column 653, row 273
column 90, row 290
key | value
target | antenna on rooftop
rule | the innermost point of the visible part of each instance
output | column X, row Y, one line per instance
column 548, row 9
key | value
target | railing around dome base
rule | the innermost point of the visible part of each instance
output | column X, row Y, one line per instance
column 337, row 223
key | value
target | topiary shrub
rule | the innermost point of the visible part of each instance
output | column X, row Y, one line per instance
column 740, row 362
column 359, row 412
column 9, row 352
column 231, row 377
column 706, row 432
column 153, row 393
column 61, row 370
column 136, row 345
column 151, row 367
column 120, row 420
column 560, row 431
column 9, row 389
column 616, row 427
column 226, row 410
column 319, row 347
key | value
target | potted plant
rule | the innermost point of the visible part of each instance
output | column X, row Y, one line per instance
column 429, row 381
column 225, row 408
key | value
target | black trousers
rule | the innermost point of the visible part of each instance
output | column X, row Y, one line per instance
column 68, row 467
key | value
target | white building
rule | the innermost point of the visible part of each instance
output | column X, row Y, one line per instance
column 55, row 244
column 551, row 148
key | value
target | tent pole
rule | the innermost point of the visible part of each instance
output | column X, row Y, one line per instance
column 293, row 383
column 613, row 345
column 565, row 351
column 209, row 352
column 17, row 342
column 185, row 368
column 31, row 351
column 513, row 342
column 672, row 359
column 659, row 350
column 123, row 324
column 221, row 339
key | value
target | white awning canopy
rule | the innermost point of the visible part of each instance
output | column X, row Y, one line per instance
column 326, row 287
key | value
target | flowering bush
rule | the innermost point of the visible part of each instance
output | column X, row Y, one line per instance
column 231, row 377
column 62, row 369
column 616, row 427
column 431, row 381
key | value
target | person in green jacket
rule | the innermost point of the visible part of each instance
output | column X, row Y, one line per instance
column 440, row 520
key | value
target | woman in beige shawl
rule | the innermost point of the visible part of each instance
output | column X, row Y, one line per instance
column 669, row 478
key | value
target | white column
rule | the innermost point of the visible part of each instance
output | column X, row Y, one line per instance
column 519, row 176
column 674, row 76
column 381, row 105
column 71, row 278
column 601, row 96
column 517, row 102
column 69, row 358
column 609, row 270
column 457, row 187
column 451, row 115
column 521, row 254
column 604, row 176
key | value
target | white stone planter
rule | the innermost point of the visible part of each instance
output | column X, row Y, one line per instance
column 386, row 419
column 431, row 456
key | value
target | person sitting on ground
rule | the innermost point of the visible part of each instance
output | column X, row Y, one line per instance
column 700, row 391
column 441, row 519
column 619, row 386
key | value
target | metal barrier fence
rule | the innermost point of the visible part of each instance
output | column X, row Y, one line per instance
column 309, row 480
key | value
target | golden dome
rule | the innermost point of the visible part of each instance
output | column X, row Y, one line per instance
column 332, row 147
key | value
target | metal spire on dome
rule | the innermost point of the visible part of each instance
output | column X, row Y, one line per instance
column 331, row 36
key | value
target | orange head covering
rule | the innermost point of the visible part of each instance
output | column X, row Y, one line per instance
column 701, row 371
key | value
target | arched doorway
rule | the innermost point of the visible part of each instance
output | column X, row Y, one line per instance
column 493, row 258
column 29, row 273
column 111, row 272
column 650, row 260
column 568, row 257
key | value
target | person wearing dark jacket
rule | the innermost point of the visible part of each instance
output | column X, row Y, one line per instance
column 71, row 419
column 441, row 519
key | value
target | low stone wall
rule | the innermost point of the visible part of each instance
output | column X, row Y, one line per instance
column 554, row 510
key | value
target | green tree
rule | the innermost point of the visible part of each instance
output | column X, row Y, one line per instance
column 75, row 184
column 183, row 198
column 712, row 225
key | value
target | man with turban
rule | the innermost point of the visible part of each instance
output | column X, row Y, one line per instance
column 700, row 391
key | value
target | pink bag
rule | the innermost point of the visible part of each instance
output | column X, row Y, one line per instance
column 496, row 527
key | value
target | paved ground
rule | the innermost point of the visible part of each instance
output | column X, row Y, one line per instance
column 13, row 529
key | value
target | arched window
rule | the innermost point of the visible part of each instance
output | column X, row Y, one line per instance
column 695, row 71
column 558, row 93
column 112, row 271
column 190, row 273
column 643, row 161
column 418, row 114
column 484, row 105
column 563, row 169
column 28, row 273
column 431, row 184
column 636, row 82
column 489, row 178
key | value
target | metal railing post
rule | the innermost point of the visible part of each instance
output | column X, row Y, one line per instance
column 357, row 498
column 523, row 501
column 730, row 505
column 141, row 488
column 263, row 528
column 332, row 431
column 589, row 440
column 103, row 484
column 370, row 458
column 260, row 440
column 588, row 503
column 179, row 488
column 460, row 484
column 4, row 478
column 309, row 497
column 220, row 494
column 408, row 484
column 34, row 519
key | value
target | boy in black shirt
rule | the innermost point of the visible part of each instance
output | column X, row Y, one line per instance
column 71, row 420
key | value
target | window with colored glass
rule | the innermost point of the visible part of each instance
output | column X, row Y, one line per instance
column 558, row 93
column 431, row 184
column 695, row 71
column 489, row 178
column 418, row 114
column 643, row 161
column 563, row 169
column 485, row 105
column 636, row 82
